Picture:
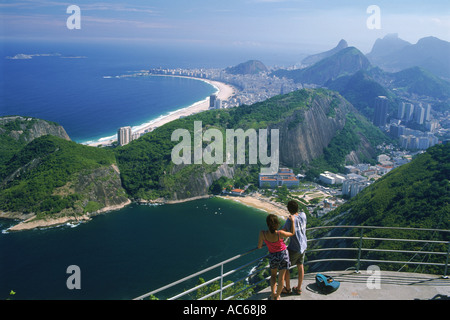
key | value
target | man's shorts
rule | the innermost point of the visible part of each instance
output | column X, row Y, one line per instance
column 296, row 257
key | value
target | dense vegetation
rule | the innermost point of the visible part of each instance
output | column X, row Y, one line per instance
column 146, row 167
column 419, row 81
column 361, row 90
column 33, row 175
column 416, row 194
column 9, row 145
column 148, row 173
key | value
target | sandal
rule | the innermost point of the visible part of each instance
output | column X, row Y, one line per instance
column 286, row 291
column 297, row 291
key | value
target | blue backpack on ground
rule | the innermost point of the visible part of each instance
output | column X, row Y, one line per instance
column 326, row 284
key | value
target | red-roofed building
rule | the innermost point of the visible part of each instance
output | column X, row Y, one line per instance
column 284, row 176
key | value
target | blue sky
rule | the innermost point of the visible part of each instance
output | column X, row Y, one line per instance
column 301, row 25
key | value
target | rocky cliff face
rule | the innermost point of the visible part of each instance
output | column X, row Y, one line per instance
column 195, row 183
column 28, row 129
column 100, row 189
column 303, row 136
column 316, row 128
column 311, row 123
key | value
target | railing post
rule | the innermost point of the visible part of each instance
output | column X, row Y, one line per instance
column 358, row 264
column 221, row 280
column 446, row 262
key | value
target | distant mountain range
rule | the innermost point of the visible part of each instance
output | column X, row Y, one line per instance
column 360, row 78
column 393, row 54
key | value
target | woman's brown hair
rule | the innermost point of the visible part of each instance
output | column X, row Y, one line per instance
column 272, row 222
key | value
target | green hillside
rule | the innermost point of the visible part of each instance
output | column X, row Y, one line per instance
column 51, row 175
column 148, row 173
column 419, row 81
column 416, row 194
column 145, row 164
column 361, row 90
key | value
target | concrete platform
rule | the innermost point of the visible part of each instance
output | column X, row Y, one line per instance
column 354, row 286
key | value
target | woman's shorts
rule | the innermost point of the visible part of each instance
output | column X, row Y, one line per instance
column 279, row 260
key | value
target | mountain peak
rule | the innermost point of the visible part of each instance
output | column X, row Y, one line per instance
column 347, row 61
column 310, row 60
column 390, row 43
column 342, row 44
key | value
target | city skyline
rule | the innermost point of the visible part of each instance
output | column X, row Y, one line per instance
column 300, row 25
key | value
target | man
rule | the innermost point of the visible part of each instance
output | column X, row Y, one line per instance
column 297, row 245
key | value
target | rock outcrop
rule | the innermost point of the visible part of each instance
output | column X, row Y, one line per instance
column 29, row 129
column 303, row 143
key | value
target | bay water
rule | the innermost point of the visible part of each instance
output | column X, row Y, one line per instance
column 126, row 253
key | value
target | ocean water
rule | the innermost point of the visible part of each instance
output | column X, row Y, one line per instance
column 126, row 253
column 73, row 87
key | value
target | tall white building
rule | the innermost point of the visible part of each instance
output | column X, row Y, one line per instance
column 354, row 185
column 409, row 111
column 212, row 101
column 401, row 111
column 419, row 114
column 124, row 136
column 218, row 104
column 381, row 111
column 428, row 112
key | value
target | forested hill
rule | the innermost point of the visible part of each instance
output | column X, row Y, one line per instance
column 51, row 177
column 43, row 174
column 318, row 129
column 17, row 131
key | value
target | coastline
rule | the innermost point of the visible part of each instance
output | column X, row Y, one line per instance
column 33, row 223
column 30, row 223
column 259, row 202
column 223, row 92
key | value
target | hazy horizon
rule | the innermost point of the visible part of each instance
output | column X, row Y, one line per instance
column 289, row 26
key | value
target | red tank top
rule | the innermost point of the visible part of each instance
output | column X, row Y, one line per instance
column 275, row 246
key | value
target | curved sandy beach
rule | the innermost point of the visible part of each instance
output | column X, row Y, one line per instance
column 224, row 92
column 261, row 203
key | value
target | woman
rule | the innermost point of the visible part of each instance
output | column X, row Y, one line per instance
column 278, row 255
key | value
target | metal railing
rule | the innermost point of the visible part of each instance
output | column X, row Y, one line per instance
column 357, row 260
